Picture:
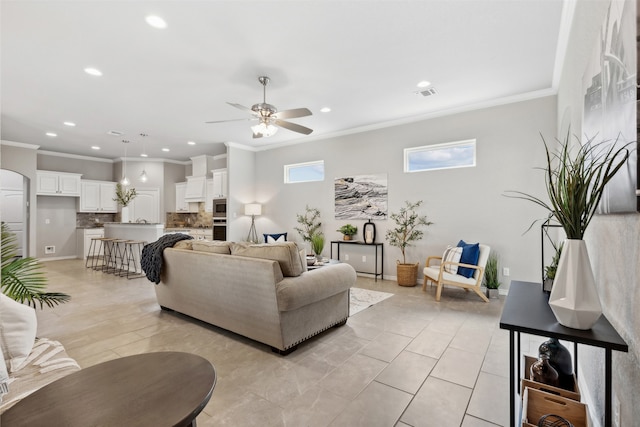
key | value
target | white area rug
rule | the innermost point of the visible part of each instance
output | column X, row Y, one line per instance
column 364, row 298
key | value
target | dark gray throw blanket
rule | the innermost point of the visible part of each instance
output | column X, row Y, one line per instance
column 151, row 260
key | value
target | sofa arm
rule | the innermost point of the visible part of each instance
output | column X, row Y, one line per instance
column 315, row 285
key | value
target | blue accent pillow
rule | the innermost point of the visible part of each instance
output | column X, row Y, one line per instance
column 470, row 255
column 275, row 238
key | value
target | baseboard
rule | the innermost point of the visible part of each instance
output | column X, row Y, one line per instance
column 58, row 258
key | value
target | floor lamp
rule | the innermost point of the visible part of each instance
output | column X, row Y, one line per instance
column 253, row 209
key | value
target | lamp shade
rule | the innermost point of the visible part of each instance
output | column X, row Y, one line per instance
column 253, row 209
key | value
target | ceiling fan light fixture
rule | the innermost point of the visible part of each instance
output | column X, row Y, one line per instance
column 264, row 129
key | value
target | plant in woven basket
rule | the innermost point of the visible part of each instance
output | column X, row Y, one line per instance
column 22, row 278
column 407, row 229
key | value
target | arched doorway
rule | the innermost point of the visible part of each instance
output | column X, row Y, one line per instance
column 14, row 190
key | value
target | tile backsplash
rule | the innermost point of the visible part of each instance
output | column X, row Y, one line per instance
column 201, row 219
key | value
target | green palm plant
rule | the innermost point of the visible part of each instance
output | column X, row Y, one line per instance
column 22, row 278
column 575, row 182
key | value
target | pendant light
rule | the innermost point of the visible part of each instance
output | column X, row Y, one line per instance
column 125, row 181
column 143, row 175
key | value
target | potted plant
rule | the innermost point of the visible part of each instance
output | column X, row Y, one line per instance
column 22, row 278
column 347, row 231
column 406, row 231
column 317, row 245
column 491, row 276
column 575, row 180
column 309, row 223
column 123, row 198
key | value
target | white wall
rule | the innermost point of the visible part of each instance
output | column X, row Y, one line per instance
column 463, row 203
column 241, row 178
column 612, row 241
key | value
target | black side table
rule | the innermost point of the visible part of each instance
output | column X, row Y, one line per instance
column 527, row 310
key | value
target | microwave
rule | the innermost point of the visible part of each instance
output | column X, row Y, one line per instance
column 220, row 208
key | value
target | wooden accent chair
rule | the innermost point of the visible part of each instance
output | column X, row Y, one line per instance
column 437, row 274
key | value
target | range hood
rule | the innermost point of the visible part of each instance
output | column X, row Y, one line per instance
column 197, row 183
column 196, row 189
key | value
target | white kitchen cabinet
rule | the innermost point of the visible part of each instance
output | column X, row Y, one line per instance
column 83, row 240
column 51, row 183
column 181, row 202
column 208, row 203
column 97, row 196
column 219, row 183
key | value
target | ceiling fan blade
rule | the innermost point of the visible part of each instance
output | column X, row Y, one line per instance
column 292, row 114
column 233, row 120
column 294, row 127
column 240, row 107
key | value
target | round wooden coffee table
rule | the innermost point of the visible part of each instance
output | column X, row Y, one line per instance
column 151, row 389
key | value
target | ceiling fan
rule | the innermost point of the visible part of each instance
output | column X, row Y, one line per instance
column 268, row 116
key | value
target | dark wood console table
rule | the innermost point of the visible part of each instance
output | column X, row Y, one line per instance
column 151, row 389
column 527, row 310
column 375, row 245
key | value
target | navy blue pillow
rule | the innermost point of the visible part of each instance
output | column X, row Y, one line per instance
column 470, row 255
column 275, row 237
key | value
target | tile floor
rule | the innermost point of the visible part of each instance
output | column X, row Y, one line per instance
column 407, row 361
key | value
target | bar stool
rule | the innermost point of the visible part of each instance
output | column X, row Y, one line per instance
column 91, row 253
column 99, row 259
column 133, row 254
column 113, row 255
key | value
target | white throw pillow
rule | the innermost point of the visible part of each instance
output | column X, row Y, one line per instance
column 18, row 325
column 451, row 254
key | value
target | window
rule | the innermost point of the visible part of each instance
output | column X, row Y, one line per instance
column 460, row 154
column 304, row 172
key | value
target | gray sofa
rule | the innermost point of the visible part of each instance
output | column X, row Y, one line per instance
column 262, row 292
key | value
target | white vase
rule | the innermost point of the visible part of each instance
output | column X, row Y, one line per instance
column 574, row 298
column 124, row 214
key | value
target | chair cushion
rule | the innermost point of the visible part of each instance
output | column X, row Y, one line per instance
column 470, row 255
column 275, row 237
column 287, row 254
column 18, row 325
column 451, row 254
column 433, row 272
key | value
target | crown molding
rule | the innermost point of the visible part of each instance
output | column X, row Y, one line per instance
column 19, row 144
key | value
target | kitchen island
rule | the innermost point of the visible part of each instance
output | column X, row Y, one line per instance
column 134, row 231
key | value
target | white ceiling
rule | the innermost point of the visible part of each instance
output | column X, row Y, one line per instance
column 362, row 59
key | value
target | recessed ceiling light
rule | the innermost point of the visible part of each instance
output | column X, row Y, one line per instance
column 325, row 109
column 93, row 71
column 166, row 149
column 51, row 134
column 424, row 83
column 95, row 147
column 156, row 21
column 191, row 142
column 69, row 124
column 144, row 155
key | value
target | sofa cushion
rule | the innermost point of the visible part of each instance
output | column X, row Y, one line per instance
column 4, row 378
column 18, row 326
column 314, row 285
column 214, row 247
column 286, row 253
column 183, row 244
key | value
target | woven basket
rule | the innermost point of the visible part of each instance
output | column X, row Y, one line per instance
column 407, row 274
